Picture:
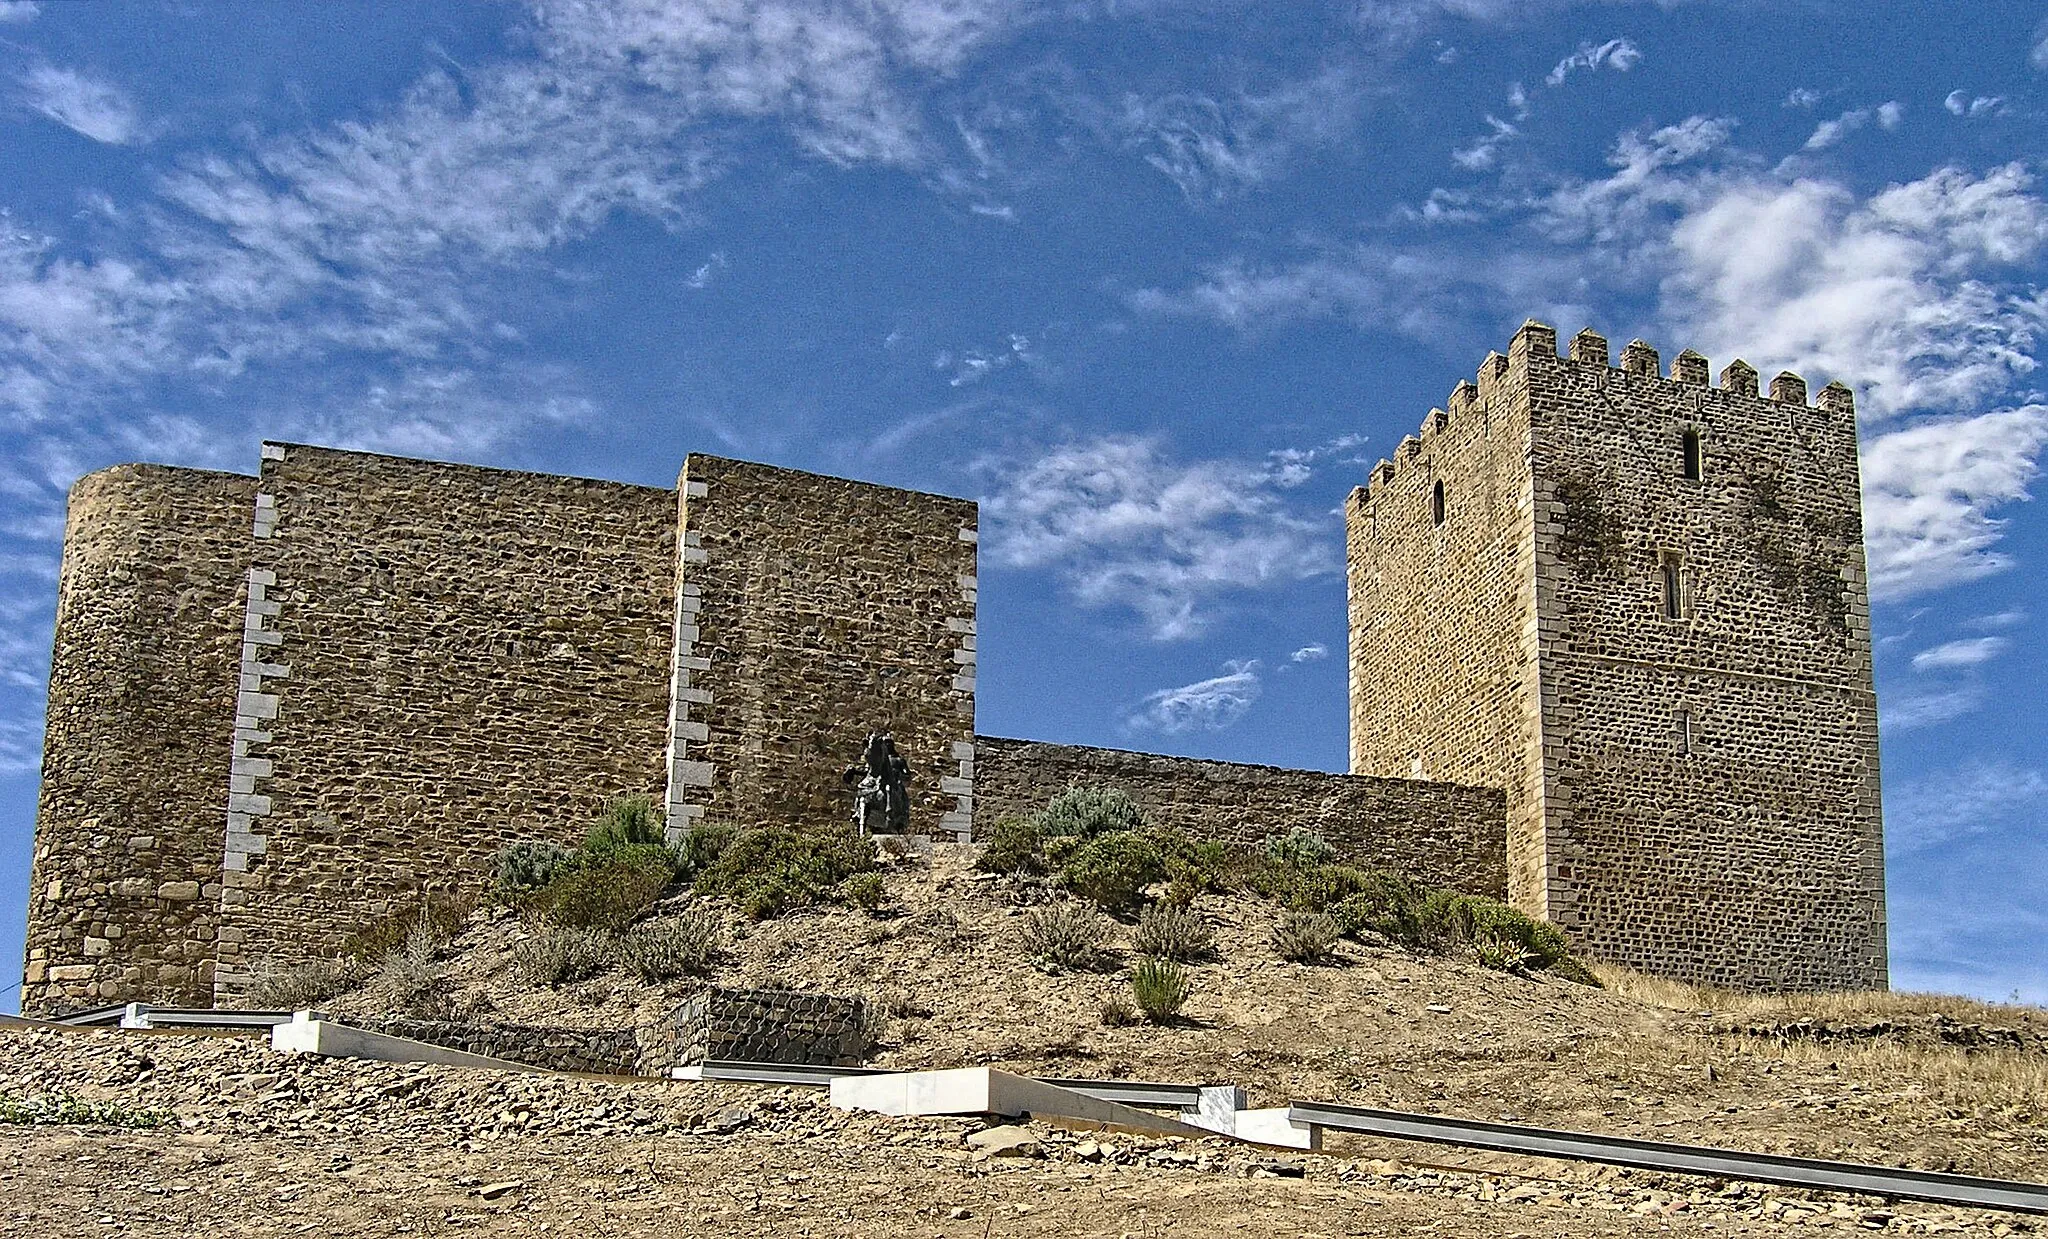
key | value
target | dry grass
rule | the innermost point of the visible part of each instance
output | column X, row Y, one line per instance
column 1853, row 1005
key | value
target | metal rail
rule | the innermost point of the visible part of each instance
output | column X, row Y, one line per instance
column 140, row 1015
column 1143, row 1094
column 1948, row 1189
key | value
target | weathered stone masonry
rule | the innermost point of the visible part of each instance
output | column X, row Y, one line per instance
column 1669, row 674
column 1437, row 833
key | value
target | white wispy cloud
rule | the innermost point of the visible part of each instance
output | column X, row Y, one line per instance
column 1621, row 55
column 1929, row 493
column 1969, row 652
column 1999, row 619
column 971, row 365
column 1801, row 97
column 1124, row 527
column 79, row 101
column 1829, row 133
column 1213, row 147
column 1206, row 705
column 1914, row 710
column 18, row 12
column 1314, row 652
column 1978, row 797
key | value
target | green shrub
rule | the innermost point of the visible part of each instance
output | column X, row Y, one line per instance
column 1064, row 937
column 1013, row 845
column 611, row 891
column 1192, row 866
column 66, row 1108
column 865, row 891
column 1299, row 849
column 1085, row 812
column 768, row 871
column 1114, row 869
column 1572, row 970
column 674, row 946
column 1385, row 904
column 557, row 956
column 700, row 847
column 1160, row 987
column 1306, row 937
column 1174, row 933
column 625, row 822
column 529, row 865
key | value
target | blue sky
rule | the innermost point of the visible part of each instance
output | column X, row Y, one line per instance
column 1156, row 282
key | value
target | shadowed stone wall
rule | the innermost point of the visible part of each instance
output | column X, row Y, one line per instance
column 126, row 869
column 460, row 657
column 1437, row 833
column 812, row 610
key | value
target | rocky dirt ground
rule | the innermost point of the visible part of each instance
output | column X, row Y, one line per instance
column 253, row 1143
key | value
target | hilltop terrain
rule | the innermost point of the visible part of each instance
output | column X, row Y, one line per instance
column 255, row 1143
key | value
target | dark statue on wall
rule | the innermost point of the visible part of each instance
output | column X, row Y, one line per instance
column 881, row 787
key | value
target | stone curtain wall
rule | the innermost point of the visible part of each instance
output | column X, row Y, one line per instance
column 1437, row 833
column 763, row 1026
column 815, row 609
column 458, row 658
column 1714, row 777
column 1443, row 643
column 126, row 868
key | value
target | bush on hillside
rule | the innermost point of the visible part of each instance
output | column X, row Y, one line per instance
column 295, row 987
column 528, row 865
column 610, row 891
column 625, row 822
column 1160, row 988
column 1064, row 937
column 674, row 946
column 558, row 956
column 1385, row 904
column 700, row 847
column 865, row 891
column 1299, row 849
column 1113, row 870
column 770, row 870
column 1170, row 932
column 1013, row 845
column 1307, row 937
column 442, row 915
column 1082, row 812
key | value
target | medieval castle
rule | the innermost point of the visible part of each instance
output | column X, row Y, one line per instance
column 1609, row 657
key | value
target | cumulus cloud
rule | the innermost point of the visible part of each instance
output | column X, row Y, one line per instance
column 88, row 105
column 1962, row 103
column 1315, row 652
column 1979, row 797
column 1618, row 54
column 1206, row 705
column 1971, row 652
column 1125, row 528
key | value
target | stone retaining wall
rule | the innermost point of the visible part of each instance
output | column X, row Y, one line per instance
column 765, row 1026
column 1441, row 834
column 599, row 1051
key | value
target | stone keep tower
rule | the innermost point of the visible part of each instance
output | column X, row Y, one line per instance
column 1637, row 603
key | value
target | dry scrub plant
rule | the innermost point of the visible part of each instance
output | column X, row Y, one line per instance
column 296, row 987
column 1307, row 937
column 557, row 956
column 674, row 946
column 1175, row 933
column 1064, row 937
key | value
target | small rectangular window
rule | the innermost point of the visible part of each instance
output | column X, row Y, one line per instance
column 1684, row 732
column 1674, row 586
column 1692, row 455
